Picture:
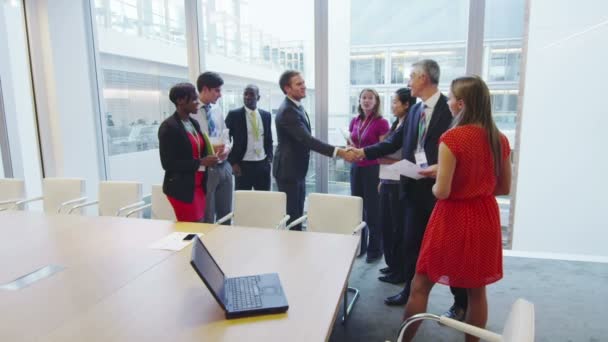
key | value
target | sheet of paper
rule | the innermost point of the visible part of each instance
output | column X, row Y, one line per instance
column 407, row 168
column 173, row 242
column 389, row 173
column 346, row 135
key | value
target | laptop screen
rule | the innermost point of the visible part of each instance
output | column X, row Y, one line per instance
column 208, row 269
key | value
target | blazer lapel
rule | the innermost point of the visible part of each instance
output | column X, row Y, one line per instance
column 439, row 108
column 300, row 110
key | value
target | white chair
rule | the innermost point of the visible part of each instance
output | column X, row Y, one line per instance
column 58, row 194
column 115, row 198
column 519, row 326
column 11, row 191
column 161, row 207
column 335, row 214
column 262, row 209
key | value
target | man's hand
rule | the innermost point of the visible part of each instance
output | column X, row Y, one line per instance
column 209, row 161
column 236, row 170
column 357, row 153
column 347, row 154
column 430, row 172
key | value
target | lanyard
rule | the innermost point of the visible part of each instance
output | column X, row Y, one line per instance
column 362, row 130
column 192, row 131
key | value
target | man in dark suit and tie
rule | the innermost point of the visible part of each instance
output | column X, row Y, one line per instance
column 419, row 139
column 295, row 141
column 251, row 135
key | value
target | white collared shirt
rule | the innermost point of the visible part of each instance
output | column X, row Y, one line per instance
column 297, row 103
column 255, row 148
column 430, row 103
column 218, row 120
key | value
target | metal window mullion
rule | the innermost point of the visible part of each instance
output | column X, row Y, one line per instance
column 4, row 142
column 474, row 52
column 321, row 20
column 96, row 88
column 194, row 29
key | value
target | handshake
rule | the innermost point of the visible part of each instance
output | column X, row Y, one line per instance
column 351, row 154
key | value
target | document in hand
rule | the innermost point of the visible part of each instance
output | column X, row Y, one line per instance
column 346, row 135
column 407, row 168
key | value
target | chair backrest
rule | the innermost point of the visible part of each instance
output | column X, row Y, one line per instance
column 334, row 213
column 59, row 190
column 262, row 209
column 520, row 323
column 161, row 207
column 11, row 189
column 114, row 195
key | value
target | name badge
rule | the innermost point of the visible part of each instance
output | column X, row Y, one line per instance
column 421, row 159
column 201, row 168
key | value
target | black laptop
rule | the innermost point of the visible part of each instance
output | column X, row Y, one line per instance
column 239, row 296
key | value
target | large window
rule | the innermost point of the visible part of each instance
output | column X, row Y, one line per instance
column 142, row 54
column 381, row 56
column 502, row 63
column 254, row 42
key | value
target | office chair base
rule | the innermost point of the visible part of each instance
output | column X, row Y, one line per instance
column 348, row 307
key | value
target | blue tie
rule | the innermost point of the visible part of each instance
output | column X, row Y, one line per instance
column 210, row 122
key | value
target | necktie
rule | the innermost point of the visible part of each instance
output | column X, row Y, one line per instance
column 210, row 122
column 305, row 114
column 254, row 124
column 422, row 128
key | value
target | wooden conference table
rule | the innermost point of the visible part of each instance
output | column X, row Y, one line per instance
column 114, row 288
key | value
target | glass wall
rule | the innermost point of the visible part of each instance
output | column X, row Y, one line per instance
column 254, row 42
column 18, row 106
column 381, row 58
column 502, row 62
column 142, row 54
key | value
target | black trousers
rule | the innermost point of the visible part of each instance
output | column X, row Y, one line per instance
column 392, row 207
column 254, row 174
column 416, row 219
column 364, row 183
column 296, row 193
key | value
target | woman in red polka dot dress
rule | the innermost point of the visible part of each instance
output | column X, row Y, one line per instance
column 462, row 244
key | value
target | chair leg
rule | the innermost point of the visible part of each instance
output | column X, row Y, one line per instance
column 349, row 306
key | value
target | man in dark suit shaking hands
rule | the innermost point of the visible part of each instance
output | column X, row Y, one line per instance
column 295, row 141
column 251, row 134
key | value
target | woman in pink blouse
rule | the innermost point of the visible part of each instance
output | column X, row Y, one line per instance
column 365, row 130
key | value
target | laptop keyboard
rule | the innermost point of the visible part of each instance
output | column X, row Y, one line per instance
column 244, row 292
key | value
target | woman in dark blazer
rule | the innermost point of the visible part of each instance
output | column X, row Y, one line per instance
column 185, row 153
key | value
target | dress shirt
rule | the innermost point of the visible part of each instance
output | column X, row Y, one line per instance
column 255, row 147
column 430, row 103
column 218, row 120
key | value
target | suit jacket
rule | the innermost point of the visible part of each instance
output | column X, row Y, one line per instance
column 236, row 121
column 176, row 158
column 294, row 143
column 406, row 137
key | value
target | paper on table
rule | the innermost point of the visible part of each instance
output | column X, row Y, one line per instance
column 389, row 173
column 173, row 242
column 407, row 168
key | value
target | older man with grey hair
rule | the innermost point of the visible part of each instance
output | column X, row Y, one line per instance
column 418, row 138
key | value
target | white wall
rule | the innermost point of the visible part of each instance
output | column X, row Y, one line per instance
column 17, row 97
column 561, row 203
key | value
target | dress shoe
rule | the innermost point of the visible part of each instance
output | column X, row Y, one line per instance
column 392, row 278
column 386, row 270
column 398, row 299
column 455, row 312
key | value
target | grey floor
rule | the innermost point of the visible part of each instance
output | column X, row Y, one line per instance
column 570, row 298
